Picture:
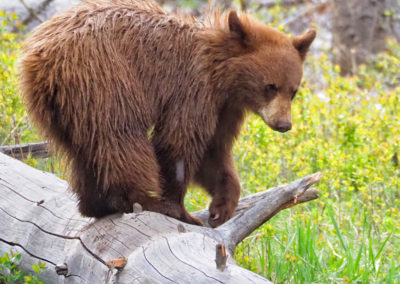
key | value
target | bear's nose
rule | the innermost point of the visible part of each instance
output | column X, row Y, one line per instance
column 283, row 126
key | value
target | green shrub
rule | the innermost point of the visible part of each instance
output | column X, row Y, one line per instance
column 14, row 125
column 10, row 274
column 348, row 128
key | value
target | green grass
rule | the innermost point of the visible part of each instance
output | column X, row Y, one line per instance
column 348, row 128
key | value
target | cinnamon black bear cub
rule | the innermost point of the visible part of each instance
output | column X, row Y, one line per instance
column 98, row 77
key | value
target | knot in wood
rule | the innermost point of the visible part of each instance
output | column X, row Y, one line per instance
column 62, row 269
column 181, row 228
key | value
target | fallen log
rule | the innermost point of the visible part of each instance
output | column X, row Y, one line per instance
column 39, row 218
column 21, row 152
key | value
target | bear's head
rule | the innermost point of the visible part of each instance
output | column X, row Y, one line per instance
column 264, row 68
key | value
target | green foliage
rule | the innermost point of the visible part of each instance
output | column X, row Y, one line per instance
column 10, row 274
column 14, row 125
column 348, row 128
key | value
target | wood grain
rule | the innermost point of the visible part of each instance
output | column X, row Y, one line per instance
column 39, row 218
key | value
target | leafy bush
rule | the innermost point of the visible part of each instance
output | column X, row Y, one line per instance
column 14, row 125
column 10, row 274
column 348, row 128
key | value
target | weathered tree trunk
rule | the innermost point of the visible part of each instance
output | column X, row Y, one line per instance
column 40, row 220
column 358, row 31
column 21, row 152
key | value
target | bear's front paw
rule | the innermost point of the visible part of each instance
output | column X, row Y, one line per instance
column 221, row 210
column 174, row 210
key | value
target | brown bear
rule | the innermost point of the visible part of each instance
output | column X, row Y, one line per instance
column 142, row 102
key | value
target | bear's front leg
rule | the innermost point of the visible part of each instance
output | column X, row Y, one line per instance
column 175, row 173
column 218, row 176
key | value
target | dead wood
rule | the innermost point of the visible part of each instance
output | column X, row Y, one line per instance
column 21, row 152
column 39, row 219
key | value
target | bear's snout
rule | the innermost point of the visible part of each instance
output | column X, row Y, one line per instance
column 283, row 126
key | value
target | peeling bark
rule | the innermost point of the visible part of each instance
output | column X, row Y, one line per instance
column 40, row 219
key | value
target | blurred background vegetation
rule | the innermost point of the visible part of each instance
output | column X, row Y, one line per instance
column 346, row 124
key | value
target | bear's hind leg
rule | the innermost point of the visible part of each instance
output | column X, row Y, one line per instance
column 129, row 174
column 92, row 202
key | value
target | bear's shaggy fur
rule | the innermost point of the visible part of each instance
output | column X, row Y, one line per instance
column 142, row 102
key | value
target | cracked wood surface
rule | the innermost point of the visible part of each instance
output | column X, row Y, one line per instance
column 40, row 219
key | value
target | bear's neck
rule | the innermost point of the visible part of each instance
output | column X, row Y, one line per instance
column 230, row 120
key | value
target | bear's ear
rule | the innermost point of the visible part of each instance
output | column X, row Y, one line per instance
column 236, row 27
column 302, row 43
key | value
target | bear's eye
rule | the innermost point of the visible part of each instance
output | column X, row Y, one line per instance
column 294, row 94
column 271, row 89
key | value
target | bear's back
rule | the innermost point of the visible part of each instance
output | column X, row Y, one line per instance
column 95, row 34
column 94, row 53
